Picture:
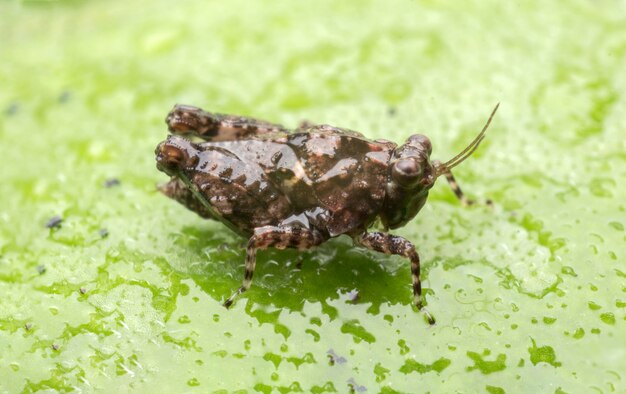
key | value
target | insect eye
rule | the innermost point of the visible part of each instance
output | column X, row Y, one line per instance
column 406, row 172
column 172, row 156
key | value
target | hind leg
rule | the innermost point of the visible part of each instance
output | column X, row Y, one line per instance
column 193, row 121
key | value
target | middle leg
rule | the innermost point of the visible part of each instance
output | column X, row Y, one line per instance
column 278, row 237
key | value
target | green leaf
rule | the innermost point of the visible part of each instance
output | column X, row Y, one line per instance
column 126, row 290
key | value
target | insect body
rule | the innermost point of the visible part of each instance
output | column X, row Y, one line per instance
column 298, row 189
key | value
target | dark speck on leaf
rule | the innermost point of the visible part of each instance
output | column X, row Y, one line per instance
column 391, row 111
column 353, row 296
column 54, row 222
column 55, row 347
column 41, row 269
column 333, row 358
column 82, row 290
column 111, row 182
column 355, row 387
column 103, row 232
column 65, row 96
column 12, row 109
column 28, row 326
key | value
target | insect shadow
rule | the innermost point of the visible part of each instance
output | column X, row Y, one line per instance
column 332, row 273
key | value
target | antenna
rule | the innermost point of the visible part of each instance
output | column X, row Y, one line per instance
column 467, row 152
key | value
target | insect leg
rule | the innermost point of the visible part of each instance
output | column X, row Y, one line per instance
column 177, row 190
column 280, row 238
column 188, row 120
column 458, row 192
column 457, row 189
column 393, row 244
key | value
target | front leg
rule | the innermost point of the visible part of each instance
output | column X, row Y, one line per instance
column 458, row 192
column 393, row 244
column 278, row 237
column 457, row 189
column 189, row 120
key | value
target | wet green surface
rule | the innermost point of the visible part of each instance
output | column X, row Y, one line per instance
column 529, row 296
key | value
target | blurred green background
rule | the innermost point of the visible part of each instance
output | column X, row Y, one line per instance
column 126, row 295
